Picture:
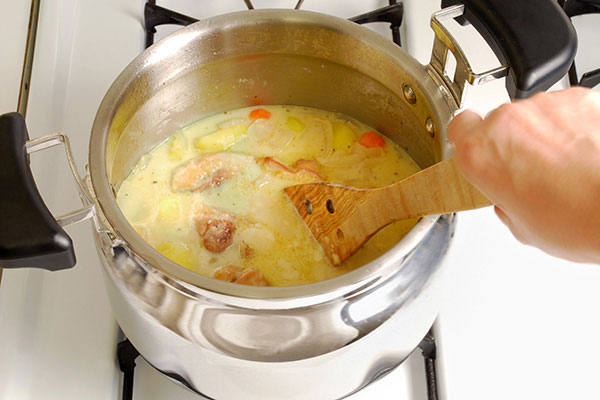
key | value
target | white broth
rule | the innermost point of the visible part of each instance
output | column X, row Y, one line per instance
column 211, row 196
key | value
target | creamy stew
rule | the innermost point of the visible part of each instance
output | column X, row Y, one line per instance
column 211, row 196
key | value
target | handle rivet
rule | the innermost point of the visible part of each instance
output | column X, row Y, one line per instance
column 429, row 127
column 409, row 94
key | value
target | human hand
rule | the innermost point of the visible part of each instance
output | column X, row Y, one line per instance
column 538, row 160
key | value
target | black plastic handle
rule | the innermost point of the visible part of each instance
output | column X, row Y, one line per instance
column 580, row 7
column 29, row 234
column 534, row 37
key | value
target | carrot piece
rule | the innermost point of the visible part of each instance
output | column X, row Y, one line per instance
column 260, row 113
column 372, row 139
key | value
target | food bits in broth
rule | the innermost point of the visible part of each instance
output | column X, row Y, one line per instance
column 211, row 196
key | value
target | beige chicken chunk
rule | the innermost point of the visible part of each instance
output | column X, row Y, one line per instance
column 247, row 276
column 208, row 171
column 215, row 227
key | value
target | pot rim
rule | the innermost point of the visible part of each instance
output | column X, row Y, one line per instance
column 168, row 47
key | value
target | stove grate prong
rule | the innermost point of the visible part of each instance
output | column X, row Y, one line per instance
column 391, row 14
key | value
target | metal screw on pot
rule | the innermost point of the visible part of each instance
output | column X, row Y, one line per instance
column 409, row 94
column 429, row 127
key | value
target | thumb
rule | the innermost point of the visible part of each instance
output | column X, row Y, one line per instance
column 462, row 126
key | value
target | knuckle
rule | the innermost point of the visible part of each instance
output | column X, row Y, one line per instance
column 580, row 91
column 506, row 112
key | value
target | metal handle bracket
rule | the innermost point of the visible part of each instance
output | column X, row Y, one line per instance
column 444, row 42
column 56, row 139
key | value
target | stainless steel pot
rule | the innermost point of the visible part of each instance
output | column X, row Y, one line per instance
column 234, row 341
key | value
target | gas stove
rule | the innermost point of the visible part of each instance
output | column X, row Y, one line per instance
column 511, row 316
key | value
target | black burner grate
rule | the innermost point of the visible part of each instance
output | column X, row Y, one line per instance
column 127, row 354
column 155, row 15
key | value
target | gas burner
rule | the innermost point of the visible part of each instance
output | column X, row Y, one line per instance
column 155, row 15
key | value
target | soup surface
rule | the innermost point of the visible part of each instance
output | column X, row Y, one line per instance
column 211, row 196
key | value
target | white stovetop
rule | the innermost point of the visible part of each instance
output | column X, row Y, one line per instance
column 514, row 323
column 13, row 51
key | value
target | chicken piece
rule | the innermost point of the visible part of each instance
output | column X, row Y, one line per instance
column 216, row 228
column 229, row 273
column 252, row 277
column 208, row 171
column 247, row 276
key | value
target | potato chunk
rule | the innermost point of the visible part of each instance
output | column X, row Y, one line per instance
column 177, row 252
column 223, row 138
column 343, row 136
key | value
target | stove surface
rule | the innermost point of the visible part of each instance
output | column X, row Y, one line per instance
column 13, row 51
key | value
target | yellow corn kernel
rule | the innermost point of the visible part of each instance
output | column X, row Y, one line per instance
column 343, row 136
column 168, row 209
column 295, row 124
column 221, row 139
column 177, row 148
column 177, row 252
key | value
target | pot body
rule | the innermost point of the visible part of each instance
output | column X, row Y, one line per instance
column 321, row 350
column 323, row 340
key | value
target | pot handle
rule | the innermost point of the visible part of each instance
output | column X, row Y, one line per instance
column 29, row 235
column 534, row 38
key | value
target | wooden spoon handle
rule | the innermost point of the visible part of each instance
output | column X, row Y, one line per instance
column 343, row 218
column 439, row 189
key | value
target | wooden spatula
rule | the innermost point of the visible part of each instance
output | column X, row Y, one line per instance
column 342, row 218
